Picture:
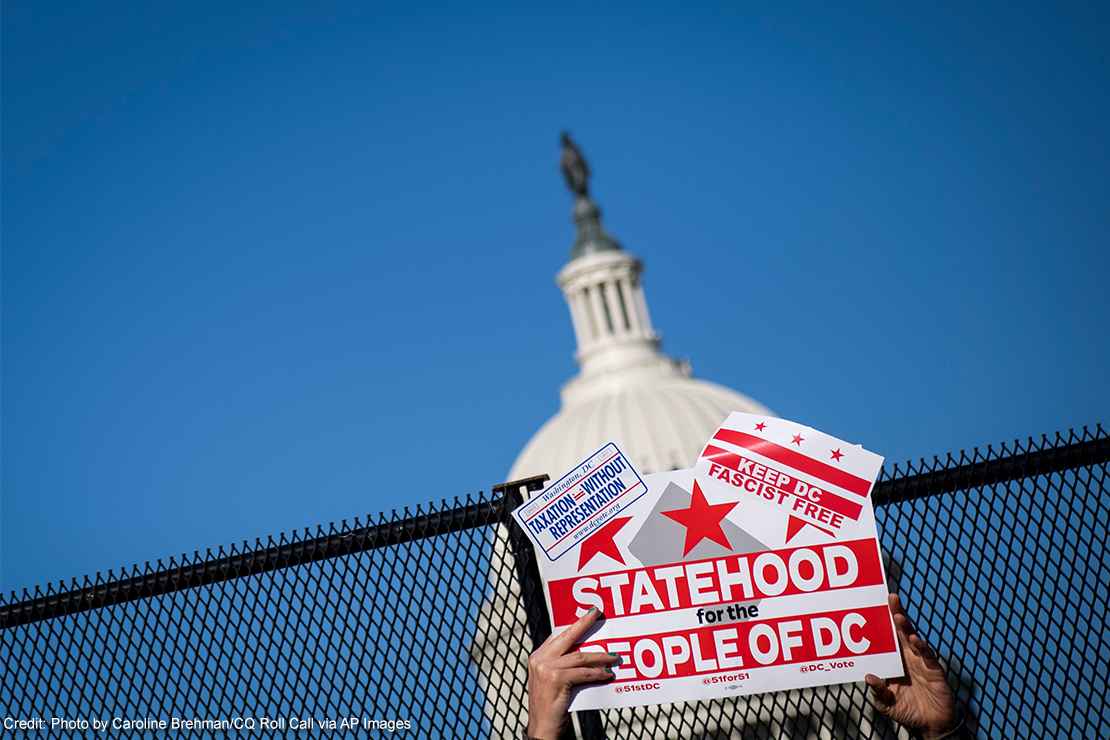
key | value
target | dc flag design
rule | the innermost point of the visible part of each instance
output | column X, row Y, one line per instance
column 756, row 570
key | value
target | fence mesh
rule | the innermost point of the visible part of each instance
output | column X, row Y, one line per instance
column 420, row 624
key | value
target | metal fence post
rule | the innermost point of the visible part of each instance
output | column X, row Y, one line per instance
column 531, row 590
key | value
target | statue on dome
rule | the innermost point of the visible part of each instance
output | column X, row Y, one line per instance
column 575, row 170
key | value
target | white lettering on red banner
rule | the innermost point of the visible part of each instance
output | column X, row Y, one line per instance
column 758, row 569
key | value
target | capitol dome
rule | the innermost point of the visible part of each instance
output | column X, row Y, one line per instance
column 627, row 391
column 660, row 423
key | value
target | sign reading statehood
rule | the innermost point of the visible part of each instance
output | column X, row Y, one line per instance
column 581, row 502
column 756, row 570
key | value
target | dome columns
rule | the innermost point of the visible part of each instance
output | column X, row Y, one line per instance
column 607, row 306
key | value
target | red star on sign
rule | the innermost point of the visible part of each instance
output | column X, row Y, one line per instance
column 760, row 426
column 798, row 439
column 702, row 520
column 837, row 454
column 601, row 541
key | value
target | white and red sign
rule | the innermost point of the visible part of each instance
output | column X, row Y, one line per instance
column 583, row 501
column 757, row 570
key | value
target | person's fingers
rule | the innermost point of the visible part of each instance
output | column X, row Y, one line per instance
column 543, row 648
column 913, row 642
column 928, row 656
column 546, row 642
column 922, row 648
column 572, row 634
column 901, row 619
column 595, row 674
column 908, row 637
column 882, row 695
column 554, row 636
column 903, row 639
column 898, row 614
column 902, row 624
column 895, row 603
column 584, row 659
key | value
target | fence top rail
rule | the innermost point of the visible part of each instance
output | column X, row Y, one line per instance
column 983, row 467
column 245, row 559
column 1010, row 461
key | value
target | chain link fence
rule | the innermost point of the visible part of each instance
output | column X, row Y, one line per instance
column 419, row 624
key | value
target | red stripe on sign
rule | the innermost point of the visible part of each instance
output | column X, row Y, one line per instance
column 748, row 472
column 751, row 645
column 796, row 460
column 715, row 581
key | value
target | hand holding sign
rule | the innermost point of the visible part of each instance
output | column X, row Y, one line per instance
column 921, row 698
column 555, row 669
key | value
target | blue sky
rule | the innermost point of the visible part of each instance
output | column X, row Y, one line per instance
column 264, row 269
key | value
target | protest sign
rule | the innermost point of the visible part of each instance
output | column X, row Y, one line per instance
column 757, row 570
column 584, row 500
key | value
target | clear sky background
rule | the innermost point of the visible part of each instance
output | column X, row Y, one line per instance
column 268, row 268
